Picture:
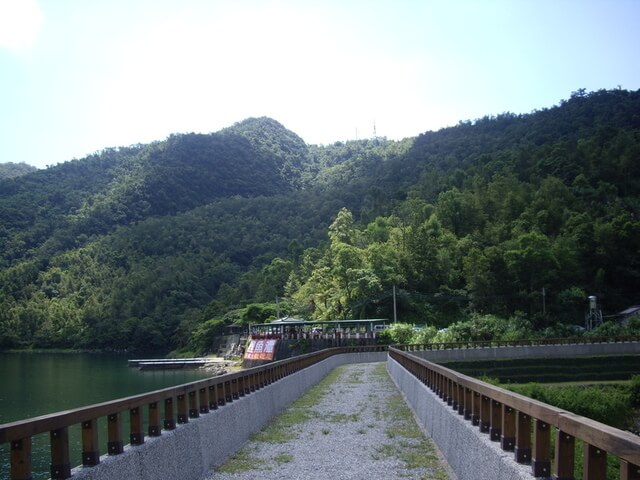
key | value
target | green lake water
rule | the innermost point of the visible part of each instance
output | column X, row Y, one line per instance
column 33, row 384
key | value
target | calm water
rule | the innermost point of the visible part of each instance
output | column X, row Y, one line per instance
column 33, row 384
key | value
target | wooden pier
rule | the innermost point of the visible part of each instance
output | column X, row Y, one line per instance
column 171, row 363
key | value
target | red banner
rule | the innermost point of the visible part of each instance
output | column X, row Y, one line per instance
column 261, row 350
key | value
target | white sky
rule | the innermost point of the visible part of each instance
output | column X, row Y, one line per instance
column 77, row 76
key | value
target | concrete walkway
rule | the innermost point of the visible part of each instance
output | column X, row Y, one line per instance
column 353, row 425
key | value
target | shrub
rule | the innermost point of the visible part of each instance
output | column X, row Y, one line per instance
column 634, row 390
column 608, row 405
column 397, row 333
column 424, row 335
column 401, row 332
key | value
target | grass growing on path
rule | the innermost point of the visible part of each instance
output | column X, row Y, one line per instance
column 409, row 445
column 358, row 404
column 283, row 428
column 240, row 462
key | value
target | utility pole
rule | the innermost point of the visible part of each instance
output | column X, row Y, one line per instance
column 395, row 316
column 544, row 302
column 277, row 308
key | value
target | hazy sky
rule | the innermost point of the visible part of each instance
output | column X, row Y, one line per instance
column 77, row 76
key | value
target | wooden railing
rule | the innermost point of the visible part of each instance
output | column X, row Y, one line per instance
column 518, row 343
column 166, row 409
column 524, row 426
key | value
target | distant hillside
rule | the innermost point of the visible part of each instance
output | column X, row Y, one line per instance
column 12, row 170
column 59, row 208
column 149, row 246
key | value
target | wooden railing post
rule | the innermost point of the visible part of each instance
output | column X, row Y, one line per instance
column 204, row 400
column 595, row 463
column 629, row 471
column 183, row 410
column 154, row 429
column 235, row 387
column 475, row 409
column 194, row 411
column 523, row 438
column 220, row 394
column 21, row 459
column 247, row 381
column 495, row 429
column 485, row 414
column 228, row 394
column 136, row 435
column 169, row 414
column 454, row 395
column 461, row 399
column 115, row 445
column 564, row 456
column 468, row 403
column 241, row 383
column 541, row 457
column 213, row 399
column 90, row 449
column 60, row 465
column 508, row 437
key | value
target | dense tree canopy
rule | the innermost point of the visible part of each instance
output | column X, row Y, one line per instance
column 151, row 246
column 12, row 170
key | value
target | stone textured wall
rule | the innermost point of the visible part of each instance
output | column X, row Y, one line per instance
column 489, row 353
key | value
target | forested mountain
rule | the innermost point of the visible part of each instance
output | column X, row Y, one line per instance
column 154, row 246
column 12, row 170
column 59, row 208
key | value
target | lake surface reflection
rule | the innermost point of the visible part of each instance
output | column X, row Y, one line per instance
column 33, row 384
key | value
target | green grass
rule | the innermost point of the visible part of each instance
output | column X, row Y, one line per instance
column 315, row 395
column 355, row 377
column 610, row 404
column 607, row 402
column 283, row 458
column 409, row 443
column 380, row 371
column 289, row 425
column 415, row 455
column 282, row 428
column 342, row 418
column 240, row 462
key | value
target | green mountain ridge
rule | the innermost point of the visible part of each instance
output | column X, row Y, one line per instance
column 137, row 247
column 13, row 170
column 91, row 196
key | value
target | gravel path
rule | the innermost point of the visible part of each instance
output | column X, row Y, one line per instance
column 353, row 425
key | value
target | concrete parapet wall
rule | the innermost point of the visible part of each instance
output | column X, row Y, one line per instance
column 533, row 351
column 470, row 453
column 193, row 449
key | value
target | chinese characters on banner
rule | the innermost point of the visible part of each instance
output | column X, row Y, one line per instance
column 261, row 350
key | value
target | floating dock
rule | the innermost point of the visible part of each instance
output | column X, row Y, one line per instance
column 170, row 363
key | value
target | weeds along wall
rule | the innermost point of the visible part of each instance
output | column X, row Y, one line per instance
column 470, row 454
